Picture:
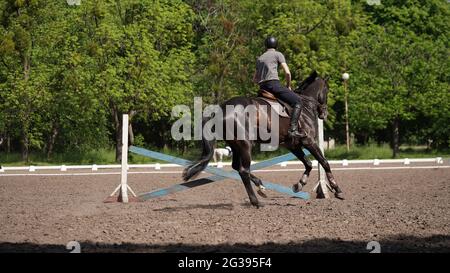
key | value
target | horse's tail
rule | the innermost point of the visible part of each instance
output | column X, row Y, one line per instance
column 208, row 151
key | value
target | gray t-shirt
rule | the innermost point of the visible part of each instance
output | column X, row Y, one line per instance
column 267, row 65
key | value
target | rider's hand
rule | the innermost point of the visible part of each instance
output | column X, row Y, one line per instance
column 289, row 87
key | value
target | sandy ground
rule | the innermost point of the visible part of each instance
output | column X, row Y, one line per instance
column 405, row 210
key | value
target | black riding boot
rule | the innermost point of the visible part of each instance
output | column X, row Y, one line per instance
column 294, row 131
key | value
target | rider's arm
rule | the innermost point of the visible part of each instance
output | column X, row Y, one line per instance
column 287, row 73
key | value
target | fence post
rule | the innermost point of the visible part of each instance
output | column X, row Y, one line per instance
column 123, row 179
column 321, row 187
column 123, row 186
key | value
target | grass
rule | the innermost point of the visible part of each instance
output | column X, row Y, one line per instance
column 100, row 156
column 383, row 152
column 106, row 156
column 360, row 152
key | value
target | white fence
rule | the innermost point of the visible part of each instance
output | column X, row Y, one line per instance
column 158, row 166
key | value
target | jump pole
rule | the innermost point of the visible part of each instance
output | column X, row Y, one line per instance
column 219, row 173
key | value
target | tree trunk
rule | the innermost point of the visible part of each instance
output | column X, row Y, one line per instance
column 163, row 136
column 395, row 137
column 130, row 127
column 118, row 130
column 184, row 147
column 51, row 140
column 118, row 145
column 117, row 117
column 25, row 147
column 8, row 144
column 25, row 138
column 130, row 134
column 119, row 136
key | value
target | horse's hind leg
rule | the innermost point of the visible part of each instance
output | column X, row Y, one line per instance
column 236, row 162
column 237, row 165
column 241, row 163
column 298, row 152
column 245, row 175
column 315, row 151
column 244, row 171
column 258, row 183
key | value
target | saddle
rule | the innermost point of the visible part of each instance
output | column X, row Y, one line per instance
column 282, row 108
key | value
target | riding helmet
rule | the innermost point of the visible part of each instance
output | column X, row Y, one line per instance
column 271, row 42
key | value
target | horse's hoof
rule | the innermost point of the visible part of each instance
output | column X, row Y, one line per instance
column 256, row 204
column 339, row 195
column 297, row 187
column 261, row 193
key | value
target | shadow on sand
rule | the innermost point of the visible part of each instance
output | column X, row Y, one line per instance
column 400, row 243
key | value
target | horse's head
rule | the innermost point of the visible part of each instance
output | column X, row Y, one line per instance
column 316, row 89
column 322, row 98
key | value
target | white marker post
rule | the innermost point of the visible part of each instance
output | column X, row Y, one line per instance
column 123, row 187
column 124, row 162
column 322, row 185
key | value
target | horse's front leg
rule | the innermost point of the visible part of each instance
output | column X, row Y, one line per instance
column 298, row 152
column 317, row 153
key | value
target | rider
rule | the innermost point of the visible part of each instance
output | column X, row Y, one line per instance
column 266, row 75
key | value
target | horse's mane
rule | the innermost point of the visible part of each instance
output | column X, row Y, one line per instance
column 309, row 80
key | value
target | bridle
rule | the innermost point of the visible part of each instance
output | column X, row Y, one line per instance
column 312, row 104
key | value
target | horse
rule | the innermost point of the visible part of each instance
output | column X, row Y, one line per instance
column 313, row 93
column 222, row 152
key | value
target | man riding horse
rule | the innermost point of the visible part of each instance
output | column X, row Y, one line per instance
column 266, row 75
column 308, row 101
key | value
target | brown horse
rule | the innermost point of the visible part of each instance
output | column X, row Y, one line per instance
column 313, row 94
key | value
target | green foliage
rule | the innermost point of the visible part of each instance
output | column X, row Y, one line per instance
column 383, row 151
column 400, row 70
column 67, row 73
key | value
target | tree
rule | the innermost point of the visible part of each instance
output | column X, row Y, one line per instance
column 397, row 66
column 142, row 53
column 225, row 60
column 23, row 83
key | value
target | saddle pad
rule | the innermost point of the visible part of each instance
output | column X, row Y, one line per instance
column 277, row 107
